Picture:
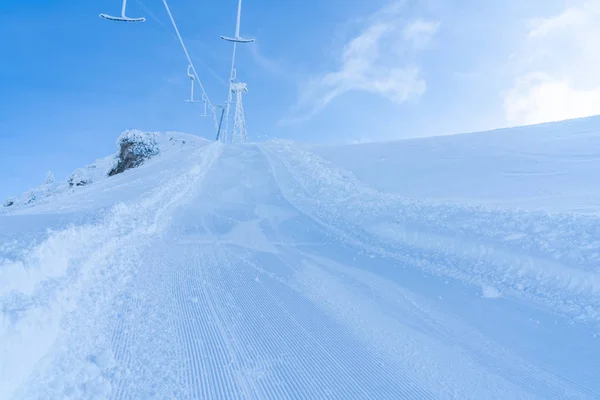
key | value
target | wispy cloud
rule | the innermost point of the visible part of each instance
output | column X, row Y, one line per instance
column 561, row 79
column 270, row 65
column 373, row 62
column 420, row 32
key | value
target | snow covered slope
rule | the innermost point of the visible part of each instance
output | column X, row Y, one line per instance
column 265, row 271
column 549, row 167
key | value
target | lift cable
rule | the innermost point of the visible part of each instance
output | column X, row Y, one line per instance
column 161, row 23
column 191, row 63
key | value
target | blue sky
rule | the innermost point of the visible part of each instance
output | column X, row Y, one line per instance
column 333, row 71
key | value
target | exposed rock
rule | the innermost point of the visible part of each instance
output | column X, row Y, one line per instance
column 9, row 202
column 134, row 148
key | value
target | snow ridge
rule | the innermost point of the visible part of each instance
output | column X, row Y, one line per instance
column 533, row 254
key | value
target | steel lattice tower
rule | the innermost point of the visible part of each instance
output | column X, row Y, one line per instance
column 239, row 134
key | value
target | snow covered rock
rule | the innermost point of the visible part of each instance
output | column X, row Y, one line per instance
column 80, row 177
column 30, row 198
column 9, row 202
column 49, row 178
column 134, row 147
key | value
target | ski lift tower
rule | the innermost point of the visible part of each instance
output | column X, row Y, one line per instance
column 239, row 134
column 239, row 128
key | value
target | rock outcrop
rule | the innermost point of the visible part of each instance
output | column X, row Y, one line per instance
column 134, row 148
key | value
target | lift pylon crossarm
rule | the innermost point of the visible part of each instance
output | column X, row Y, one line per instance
column 237, row 39
column 239, row 87
column 123, row 17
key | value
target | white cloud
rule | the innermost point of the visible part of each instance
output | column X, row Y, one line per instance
column 562, row 77
column 420, row 32
column 367, row 64
column 538, row 98
column 570, row 18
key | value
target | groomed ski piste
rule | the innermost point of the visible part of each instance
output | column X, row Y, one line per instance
column 460, row 267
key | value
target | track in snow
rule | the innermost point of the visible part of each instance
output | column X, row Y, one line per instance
column 242, row 288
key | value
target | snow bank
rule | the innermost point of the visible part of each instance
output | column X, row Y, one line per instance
column 555, row 258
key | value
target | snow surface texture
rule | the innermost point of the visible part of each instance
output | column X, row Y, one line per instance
column 265, row 271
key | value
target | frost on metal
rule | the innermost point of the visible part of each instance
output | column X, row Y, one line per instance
column 134, row 147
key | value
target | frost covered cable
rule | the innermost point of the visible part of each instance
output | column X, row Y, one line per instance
column 159, row 21
column 187, row 54
column 149, row 12
column 229, row 96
